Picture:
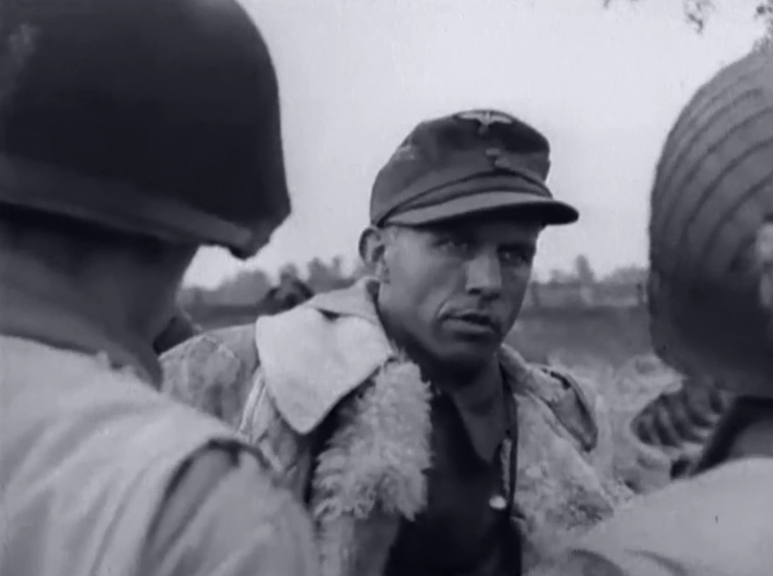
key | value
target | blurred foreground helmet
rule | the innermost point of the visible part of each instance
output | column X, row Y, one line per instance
column 712, row 197
column 157, row 117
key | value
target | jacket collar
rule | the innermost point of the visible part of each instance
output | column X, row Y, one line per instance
column 357, row 301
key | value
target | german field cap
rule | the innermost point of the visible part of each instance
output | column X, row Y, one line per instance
column 467, row 163
column 712, row 196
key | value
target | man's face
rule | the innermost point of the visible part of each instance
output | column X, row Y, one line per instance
column 456, row 288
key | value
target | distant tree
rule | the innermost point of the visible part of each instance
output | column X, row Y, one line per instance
column 765, row 13
column 288, row 293
column 586, row 279
column 766, row 42
column 245, row 288
column 289, row 270
column 323, row 277
column 562, row 277
column 337, row 267
column 629, row 275
column 534, row 293
column 698, row 12
column 583, row 271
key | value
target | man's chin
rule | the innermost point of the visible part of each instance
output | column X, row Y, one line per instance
column 469, row 354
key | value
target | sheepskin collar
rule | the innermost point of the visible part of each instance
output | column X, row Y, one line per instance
column 331, row 356
column 317, row 353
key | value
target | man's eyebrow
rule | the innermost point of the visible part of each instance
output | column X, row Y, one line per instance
column 520, row 245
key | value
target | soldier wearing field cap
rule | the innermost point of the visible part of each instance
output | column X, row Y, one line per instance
column 421, row 442
column 131, row 133
column 711, row 295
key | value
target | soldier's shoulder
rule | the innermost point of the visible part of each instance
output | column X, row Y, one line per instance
column 228, row 489
column 675, row 530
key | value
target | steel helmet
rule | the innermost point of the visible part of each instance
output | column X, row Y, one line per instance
column 157, row 117
column 713, row 193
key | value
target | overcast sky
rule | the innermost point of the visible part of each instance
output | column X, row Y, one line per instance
column 603, row 85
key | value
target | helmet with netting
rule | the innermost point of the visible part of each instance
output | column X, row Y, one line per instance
column 153, row 117
column 712, row 196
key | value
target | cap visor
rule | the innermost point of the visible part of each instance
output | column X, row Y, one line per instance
column 541, row 209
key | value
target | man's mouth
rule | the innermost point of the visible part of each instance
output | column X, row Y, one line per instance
column 476, row 322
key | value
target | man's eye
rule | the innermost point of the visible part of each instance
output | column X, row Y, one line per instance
column 456, row 244
column 516, row 257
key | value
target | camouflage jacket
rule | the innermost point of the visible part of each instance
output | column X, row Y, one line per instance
column 331, row 356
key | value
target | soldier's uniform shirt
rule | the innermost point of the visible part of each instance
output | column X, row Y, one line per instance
column 719, row 523
column 460, row 532
column 101, row 474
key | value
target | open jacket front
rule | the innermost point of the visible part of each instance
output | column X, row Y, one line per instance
column 280, row 381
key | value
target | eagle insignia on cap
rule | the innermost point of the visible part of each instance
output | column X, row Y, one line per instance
column 486, row 118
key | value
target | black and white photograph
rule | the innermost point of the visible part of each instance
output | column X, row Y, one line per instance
column 386, row 288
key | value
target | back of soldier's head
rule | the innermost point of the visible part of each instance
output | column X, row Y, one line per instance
column 711, row 241
column 147, row 117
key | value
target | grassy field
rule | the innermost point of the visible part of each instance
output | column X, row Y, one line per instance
column 609, row 335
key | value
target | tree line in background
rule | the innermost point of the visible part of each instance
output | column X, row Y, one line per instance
column 578, row 286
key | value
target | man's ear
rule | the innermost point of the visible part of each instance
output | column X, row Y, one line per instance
column 372, row 248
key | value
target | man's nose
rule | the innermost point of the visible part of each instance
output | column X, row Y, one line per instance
column 484, row 275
